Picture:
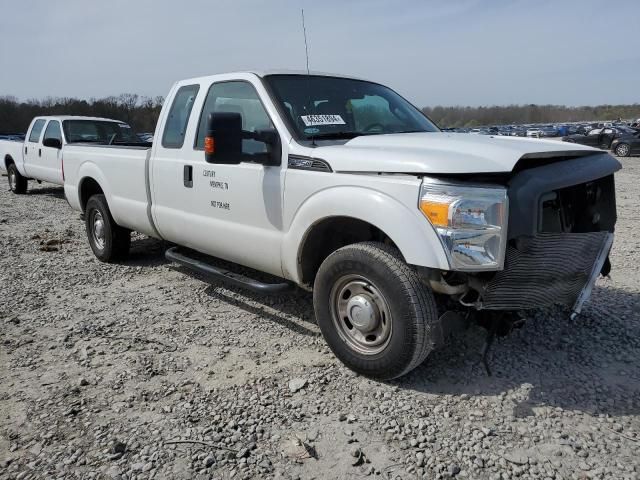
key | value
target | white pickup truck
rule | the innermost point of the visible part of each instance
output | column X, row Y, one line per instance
column 40, row 156
column 341, row 186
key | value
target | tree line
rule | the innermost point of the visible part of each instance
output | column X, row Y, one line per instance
column 518, row 114
column 142, row 112
column 138, row 111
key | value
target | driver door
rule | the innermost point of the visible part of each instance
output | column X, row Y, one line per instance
column 50, row 160
column 593, row 137
column 606, row 137
column 233, row 212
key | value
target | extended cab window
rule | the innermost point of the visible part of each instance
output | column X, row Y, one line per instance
column 34, row 136
column 178, row 119
column 237, row 97
column 53, row 131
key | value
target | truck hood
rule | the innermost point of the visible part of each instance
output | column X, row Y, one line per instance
column 440, row 153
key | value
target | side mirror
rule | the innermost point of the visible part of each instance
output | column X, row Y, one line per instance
column 52, row 142
column 223, row 142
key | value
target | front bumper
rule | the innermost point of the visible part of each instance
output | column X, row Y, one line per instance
column 562, row 217
column 548, row 269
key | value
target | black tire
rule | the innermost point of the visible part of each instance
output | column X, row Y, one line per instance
column 412, row 309
column 109, row 241
column 622, row 150
column 17, row 183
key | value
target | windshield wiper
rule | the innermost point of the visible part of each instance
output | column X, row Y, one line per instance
column 334, row 135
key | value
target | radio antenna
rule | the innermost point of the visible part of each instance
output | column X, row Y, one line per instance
column 306, row 51
column 306, row 46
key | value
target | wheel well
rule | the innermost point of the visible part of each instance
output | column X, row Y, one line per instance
column 330, row 234
column 88, row 188
column 8, row 161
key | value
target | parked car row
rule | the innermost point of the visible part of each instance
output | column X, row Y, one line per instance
column 146, row 137
column 548, row 130
column 12, row 136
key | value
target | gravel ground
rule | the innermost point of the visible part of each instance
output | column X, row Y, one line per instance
column 141, row 370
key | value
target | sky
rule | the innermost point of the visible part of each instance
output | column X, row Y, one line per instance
column 447, row 52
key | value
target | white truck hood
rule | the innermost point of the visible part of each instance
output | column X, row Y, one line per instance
column 438, row 152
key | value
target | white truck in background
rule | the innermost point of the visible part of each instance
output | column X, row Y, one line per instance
column 341, row 186
column 40, row 156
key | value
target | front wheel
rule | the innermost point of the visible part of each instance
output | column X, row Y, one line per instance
column 108, row 240
column 17, row 183
column 374, row 312
column 622, row 150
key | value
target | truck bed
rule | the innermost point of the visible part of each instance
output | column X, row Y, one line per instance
column 10, row 149
column 122, row 174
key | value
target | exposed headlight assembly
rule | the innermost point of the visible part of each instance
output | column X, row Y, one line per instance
column 470, row 221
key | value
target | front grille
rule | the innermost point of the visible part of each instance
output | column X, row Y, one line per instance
column 544, row 269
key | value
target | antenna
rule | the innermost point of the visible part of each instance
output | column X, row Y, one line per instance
column 306, row 51
column 306, row 46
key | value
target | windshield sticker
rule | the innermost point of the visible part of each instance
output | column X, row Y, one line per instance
column 311, row 130
column 312, row 120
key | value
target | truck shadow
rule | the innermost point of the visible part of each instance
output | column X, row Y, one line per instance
column 47, row 190
column 293, row 310
column 146, row 252
column 590, row 365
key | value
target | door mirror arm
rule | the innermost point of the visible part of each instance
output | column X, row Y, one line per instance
column 271, row 138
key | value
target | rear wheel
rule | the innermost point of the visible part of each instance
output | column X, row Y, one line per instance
column 17, row 183
column 373, row 310
column 622, row 150
column 108, row 241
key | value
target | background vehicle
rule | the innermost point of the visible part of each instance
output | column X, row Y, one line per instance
column 626, row 145
column 146, row 137
column 597, row 137
column 39, row 157
column 341, row 186
column 548, row 131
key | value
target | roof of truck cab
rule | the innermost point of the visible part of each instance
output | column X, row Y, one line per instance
column 263, row 73
column 76, row 117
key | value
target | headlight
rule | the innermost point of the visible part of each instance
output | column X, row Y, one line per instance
column 470, row 221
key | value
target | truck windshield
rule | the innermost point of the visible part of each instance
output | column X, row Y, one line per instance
column 321, row 107
column 98, row 131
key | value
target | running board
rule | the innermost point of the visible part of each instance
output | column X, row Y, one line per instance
column 226, row 276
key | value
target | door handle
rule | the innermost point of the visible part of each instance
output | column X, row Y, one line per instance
column 187, row 176
column 25, row 150
column 39, row 152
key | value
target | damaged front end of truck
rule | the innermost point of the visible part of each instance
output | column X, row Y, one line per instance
column 559, row 226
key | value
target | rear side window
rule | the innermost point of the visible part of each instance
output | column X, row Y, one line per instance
column 176, row 125
column 34, row 136
column 53, row 130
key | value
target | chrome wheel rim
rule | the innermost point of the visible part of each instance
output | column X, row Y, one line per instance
column 622, row 150
column 98, row 230
column 360, row 314
column 12, row 179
